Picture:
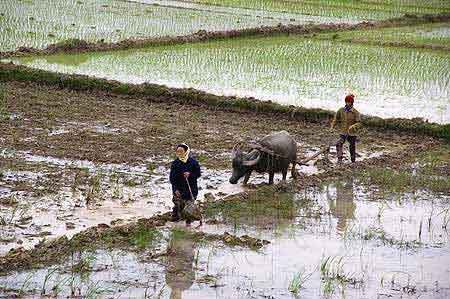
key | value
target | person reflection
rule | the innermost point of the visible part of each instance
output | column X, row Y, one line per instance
column 180, row 273
column 343, row 207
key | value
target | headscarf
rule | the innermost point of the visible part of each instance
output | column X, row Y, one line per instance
column 349, row 98
column 185, row 157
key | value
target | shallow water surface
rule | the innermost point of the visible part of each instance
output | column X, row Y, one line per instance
column 343, row 240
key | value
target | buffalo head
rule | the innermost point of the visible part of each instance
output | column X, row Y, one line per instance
column 243, row 163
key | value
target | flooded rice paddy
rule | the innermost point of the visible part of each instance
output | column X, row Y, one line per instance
column 39, row 23
column 432, row 35
column 31, row 23
column 341, row 240
column 389, row 82
column 368, row 10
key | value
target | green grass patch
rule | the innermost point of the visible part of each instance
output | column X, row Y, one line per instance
column 144, row 237
column 429, row 170
column 265, row 203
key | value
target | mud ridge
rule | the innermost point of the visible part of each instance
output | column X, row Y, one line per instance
column 103, row 235
column 161, row 93
column 79, row 46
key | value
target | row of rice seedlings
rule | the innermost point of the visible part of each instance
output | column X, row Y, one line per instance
column 363, row 10
column 279, row 16
column 425, row 34
column 302, row 72
column 40, row 23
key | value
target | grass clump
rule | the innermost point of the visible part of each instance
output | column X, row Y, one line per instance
column 267, row 203
column 144, row 237
column 332, row 271
column 429, row 170
column 299, row 280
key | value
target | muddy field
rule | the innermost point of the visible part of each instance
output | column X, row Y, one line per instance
column 87, row 166
column 85, row 198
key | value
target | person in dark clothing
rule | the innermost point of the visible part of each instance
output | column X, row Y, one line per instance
column 184, row 169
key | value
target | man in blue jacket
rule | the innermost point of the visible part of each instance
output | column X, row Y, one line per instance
column 184, row 173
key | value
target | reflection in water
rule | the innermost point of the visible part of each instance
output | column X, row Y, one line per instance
column 180, row 273
column 342, row 206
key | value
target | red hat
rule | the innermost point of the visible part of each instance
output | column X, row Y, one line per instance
column 350, row 98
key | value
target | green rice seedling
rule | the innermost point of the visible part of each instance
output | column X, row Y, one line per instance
column 332, row 268
column 143, row 237
column 84, row 262
column 26, row 283
column 47, row 277
column 60, row 285
column 95, row 290
column 328, row 287
column 299, row 280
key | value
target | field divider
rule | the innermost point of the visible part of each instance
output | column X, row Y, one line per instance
column 162, row 93
column 80, row 46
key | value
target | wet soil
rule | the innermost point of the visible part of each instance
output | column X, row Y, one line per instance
column 68, row 152
column 341, row 240
column 71, row 160
column 110, row 128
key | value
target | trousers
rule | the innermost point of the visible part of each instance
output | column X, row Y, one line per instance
column 340, row 145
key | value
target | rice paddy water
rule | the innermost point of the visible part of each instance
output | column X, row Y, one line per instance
column 340, row 242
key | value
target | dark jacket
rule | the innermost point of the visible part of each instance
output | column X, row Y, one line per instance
column 179, row 182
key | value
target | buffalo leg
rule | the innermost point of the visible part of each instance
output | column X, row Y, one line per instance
column 247, row 177
column 293, row 171
column 271, row 175
column 284, row 173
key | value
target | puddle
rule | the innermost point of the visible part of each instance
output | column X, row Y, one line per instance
column 88, row 194
column 319, row 243
column 124, row 193
column 385, row 90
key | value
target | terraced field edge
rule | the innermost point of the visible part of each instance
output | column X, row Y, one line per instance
column 77, row 46
column 161, row 93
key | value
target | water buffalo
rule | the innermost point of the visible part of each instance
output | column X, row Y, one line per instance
column 284, row 150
